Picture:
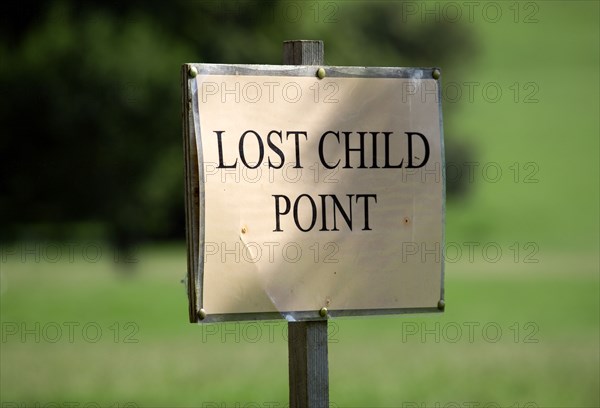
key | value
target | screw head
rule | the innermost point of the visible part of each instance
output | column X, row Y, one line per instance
column 202, row 314
column 441, row 305
column 323, row 312
column 321, row 73
column 436, row 74
column 192, row 72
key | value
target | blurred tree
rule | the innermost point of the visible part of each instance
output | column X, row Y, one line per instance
column 90, row 107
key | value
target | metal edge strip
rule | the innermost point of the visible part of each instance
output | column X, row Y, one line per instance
column 313, row 315
column 188, row 196
column 443, row 181
column 201, row 195
column 311, row 71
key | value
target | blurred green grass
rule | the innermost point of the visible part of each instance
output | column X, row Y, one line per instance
column 374, row 361
column 554, row 64
column 546, row 352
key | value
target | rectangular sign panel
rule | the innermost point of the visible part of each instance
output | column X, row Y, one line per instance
column 304, row 193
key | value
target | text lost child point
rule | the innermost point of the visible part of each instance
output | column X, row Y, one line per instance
column 394, row 155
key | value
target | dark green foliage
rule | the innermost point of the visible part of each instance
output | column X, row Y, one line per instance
column 90, row 97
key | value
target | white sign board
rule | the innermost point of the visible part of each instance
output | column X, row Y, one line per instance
column 307, row 193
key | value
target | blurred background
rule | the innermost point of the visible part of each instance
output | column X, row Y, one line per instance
column 92, row 309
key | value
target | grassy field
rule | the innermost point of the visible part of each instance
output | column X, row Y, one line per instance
column 551, row 132
column 511, row 335
column 522, row 330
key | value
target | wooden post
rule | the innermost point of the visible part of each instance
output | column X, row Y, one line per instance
column 307, row 341
column 309, row 371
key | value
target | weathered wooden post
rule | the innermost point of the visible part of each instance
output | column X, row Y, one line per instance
column 307, row 341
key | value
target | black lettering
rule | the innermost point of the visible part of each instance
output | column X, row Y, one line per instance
column 297, row 141
column 366, row 205
column 261, row 149
column 410, row 155
column 220, row 147
column 321, row 156
column 314, row 213
column 360, row 149
column 338, row 205
column 323, row 212
column 278, row 212
column 374, row 165
column 387, row 153
column 275, row 149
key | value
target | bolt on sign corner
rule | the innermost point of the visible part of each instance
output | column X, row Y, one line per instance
column 305, row 190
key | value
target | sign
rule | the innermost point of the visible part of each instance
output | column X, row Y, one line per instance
column 312, row 189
